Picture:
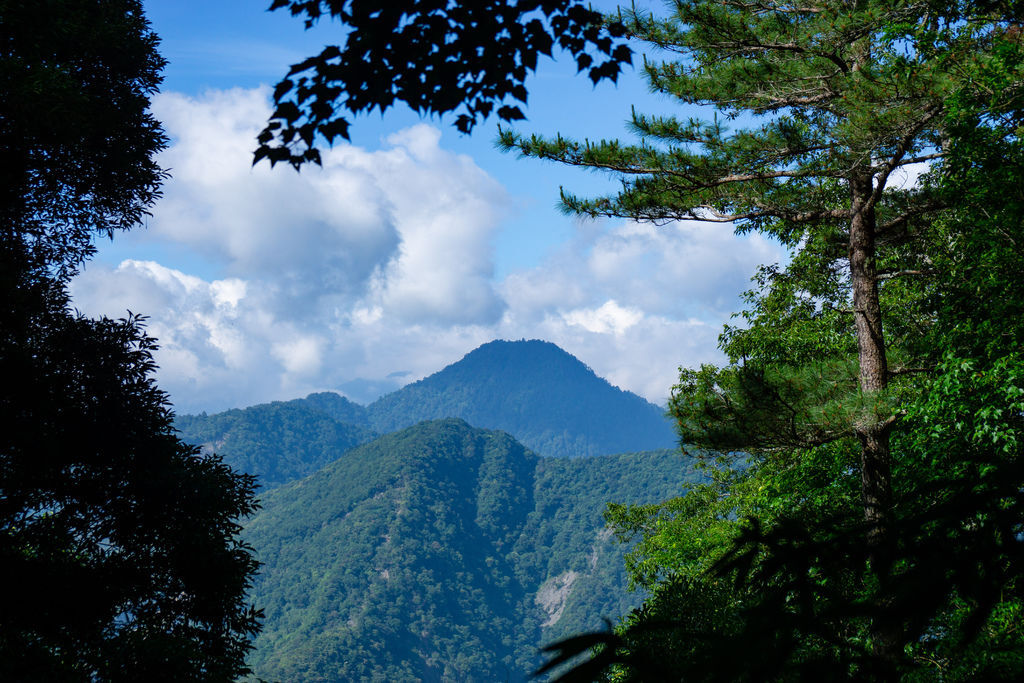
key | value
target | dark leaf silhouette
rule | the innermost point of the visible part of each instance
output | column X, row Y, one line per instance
column 436, row 56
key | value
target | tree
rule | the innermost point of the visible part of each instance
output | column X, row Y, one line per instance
column 844, row 112
column 119, row 541
column 436, row 56
column 838, row 353
column 79, row 142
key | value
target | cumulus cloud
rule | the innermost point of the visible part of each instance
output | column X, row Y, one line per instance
column 680, row 270
column 637, row 301
column 380, row 266
column 409, row 223
column 610, row 318
column 444, row 268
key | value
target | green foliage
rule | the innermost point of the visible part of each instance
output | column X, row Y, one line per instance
column 277, row 442
column 767, row 407
column 844, row 564
column 422, row 555
column 435, row 56
column 964, row 428
column 546, row 398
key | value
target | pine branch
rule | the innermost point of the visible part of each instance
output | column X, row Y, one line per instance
column 905, row 144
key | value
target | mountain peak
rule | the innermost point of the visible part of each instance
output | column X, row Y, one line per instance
column 522, row 351
column 543, row 395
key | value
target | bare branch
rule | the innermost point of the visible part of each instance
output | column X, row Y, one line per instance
column 921, row 159
column 888, row 275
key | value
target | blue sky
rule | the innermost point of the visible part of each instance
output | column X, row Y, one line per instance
column 412, row 246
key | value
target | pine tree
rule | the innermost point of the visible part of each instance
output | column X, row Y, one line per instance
column 833, row 102
column 842, row 111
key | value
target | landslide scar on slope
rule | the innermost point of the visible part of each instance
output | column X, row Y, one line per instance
column 553, row 594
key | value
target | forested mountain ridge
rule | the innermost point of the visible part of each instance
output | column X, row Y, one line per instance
column 278, row 442
column 336, row 407
column 542, row 395
column 442, row 552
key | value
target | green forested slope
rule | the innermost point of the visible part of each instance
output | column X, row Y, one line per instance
column 565, row 533
column 422, row 555
column 278, row 442
column 442, row 551
column 545, row 397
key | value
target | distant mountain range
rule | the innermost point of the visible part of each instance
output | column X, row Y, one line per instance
column 410, row 540
column 546, row 398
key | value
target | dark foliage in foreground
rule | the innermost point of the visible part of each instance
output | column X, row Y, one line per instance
column 436, row 56
column 119, row 543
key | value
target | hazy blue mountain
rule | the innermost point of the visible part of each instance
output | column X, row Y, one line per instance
column 545, row 397
column 369, row 390
column 335, row 406
column 442, row 552
column 280, row 441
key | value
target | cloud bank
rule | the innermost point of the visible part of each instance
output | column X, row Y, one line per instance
column 379, row 268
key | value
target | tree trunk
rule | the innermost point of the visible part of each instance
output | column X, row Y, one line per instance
column 871, row 428
column 874, row 370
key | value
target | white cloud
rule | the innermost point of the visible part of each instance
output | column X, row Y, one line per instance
column 382, row 262
column 645, row 357
column 678, row 270
column 411, row 223
column 228, row 292
column 444, row 267
column 907, row 177
column 610, row 318
column 301, row 355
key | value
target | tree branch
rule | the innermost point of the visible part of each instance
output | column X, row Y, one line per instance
column 905, row 143
column 888, row 275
